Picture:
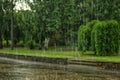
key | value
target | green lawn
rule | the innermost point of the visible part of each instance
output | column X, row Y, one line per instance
column 49, row 53
column 61, row 54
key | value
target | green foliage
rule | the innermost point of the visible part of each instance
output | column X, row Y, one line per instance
column 100, row 36
column 48, row 17
column 20, row 44
column 90, row 26
column 84, row 36
column 31, row 44
column 106, row 37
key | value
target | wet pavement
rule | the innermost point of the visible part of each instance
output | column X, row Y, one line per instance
column 11, row 69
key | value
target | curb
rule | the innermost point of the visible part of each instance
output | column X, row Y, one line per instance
column 105, row 65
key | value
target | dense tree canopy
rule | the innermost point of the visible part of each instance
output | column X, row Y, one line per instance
column 55, row 21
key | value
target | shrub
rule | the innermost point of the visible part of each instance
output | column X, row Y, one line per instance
column 20, row 44
column 100, row 36
column 84, row 36
column 106, row 37
column 31, row 44
column 90, row 26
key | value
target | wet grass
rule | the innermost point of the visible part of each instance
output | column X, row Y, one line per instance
column 61, row 54
column 48, row 53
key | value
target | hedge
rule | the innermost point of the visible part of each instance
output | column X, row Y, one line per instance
column 100, row 36
column 90, row 26
column 84, row 37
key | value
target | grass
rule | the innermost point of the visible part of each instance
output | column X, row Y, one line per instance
column 61, row 54
column 49, row 53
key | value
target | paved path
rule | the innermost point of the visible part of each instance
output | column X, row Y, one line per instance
column 11, row 69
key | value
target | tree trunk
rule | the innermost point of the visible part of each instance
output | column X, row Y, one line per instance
column 1, row 45
column 7, row 42
column 12, row 25
column 46, row 43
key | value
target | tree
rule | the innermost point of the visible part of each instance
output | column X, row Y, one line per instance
column 46, row 18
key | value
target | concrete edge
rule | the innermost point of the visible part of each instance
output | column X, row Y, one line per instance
column 65, row 61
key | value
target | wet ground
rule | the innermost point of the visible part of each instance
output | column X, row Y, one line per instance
column 11, row 69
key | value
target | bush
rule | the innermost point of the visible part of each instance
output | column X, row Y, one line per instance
column 100, row 36
column 106, row 37
column 31, row 44
column 84, row 36
column 90, row 26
